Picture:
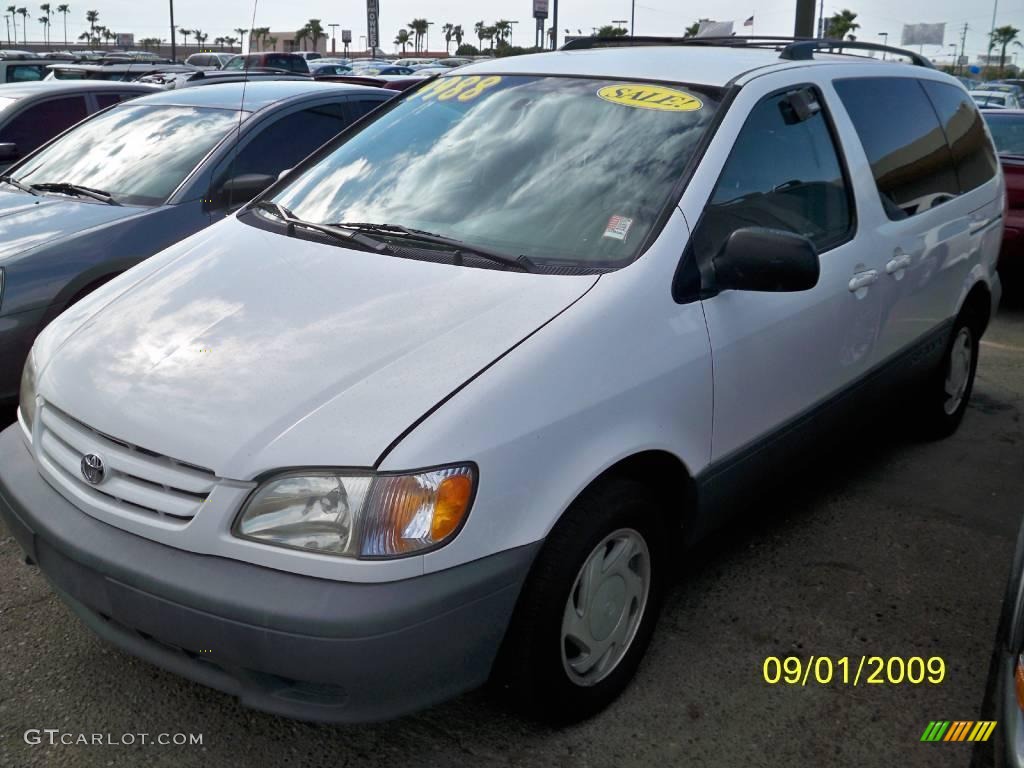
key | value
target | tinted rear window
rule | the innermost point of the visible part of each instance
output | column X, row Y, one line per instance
column 905, row 145
column 965, row 130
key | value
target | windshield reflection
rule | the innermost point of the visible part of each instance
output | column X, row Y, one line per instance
column 138, row 154
column 534, row 166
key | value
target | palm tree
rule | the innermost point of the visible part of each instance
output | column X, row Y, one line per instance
column 301, row 36
column 691, row 31
column 1003, row 36
column 841, row 24
column 316, row 31
column 490, row 33
column 23, row 12
column 14, row 20
column 185, row 33
column 502, row 30
column 92, row 17
column 45, row 8
column 64, row 9
column 45, row 21
column 402, row 39
column 457, row 34
column 420, row 27
column 272, row 42
column 241, row 35
column 609, row 31
column 200, row 37
column 479, row 29
column 449, row 30
column 109, row 35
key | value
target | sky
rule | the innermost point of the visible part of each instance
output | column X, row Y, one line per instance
column 149, row 18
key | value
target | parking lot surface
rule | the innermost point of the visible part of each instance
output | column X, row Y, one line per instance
column 884, row 546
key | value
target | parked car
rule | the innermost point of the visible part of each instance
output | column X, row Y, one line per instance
column 447, row 401
column 104, row 196
column 388, row 70
column 996, row 99
column 318, row 68
column 21, row 67
column 118, row 72
column 309, row 55
column 33, row 113
column 172, row 80
column 1007, row 129
column 209, row 60
column 289, row 62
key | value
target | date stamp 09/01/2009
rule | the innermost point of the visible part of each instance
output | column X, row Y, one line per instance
column 853, row 670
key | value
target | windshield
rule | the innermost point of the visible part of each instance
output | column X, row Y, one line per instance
column 1007, row 133
column 989, row 100
column 137, row 154
column 571, row 170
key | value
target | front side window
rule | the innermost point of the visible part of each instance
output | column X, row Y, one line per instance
column 137, row 154
column 904, row 142
column 236, row 63
column 22, row 73
column 783, row 173
column 965, row 131
column 566, row 170
column 41, row 122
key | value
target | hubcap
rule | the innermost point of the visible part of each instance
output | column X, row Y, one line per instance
column 605, row 606
column 959, row 371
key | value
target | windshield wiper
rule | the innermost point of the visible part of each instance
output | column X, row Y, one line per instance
column 341, row 234
column 67, row 188
column 18, row 185
column 523, row 263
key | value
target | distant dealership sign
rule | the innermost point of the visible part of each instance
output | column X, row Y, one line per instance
column 125, row 40
column 346, row 36
column 923, row 34
column 540, row 9
column 372, row 24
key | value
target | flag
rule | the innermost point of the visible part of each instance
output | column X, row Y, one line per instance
column 749, row 22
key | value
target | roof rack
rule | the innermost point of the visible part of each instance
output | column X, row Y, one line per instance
column 791, row 48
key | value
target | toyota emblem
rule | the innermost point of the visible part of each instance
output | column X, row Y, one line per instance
column 92, row 468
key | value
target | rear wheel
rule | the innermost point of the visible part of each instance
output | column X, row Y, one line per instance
column 949, row 388
column 588, row 609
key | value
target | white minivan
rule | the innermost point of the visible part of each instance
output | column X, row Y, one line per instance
column 446, row 402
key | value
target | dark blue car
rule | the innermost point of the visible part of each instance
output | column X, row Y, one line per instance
column 140, row 176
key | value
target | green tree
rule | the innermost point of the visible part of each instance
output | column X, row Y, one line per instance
column 64, row 9
column 200, row 37
column 841, row 24
column 185, row 34
column 23, row 12
column 242, row 32
column 457, row 33
column 272, row 42
column 301, row 36
column 609, row 31
column 503, row 30
column 449, row 31
column 12, row 10
column 92, row 17
column 45, row 21
column 490, row 33
column 403, row 39
column 478, row 28
column 1003, row 36
column 46, row 9
column 691, row 31
column 466, row 49
column 419, row 28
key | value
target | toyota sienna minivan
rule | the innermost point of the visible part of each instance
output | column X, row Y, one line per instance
column 446, row 402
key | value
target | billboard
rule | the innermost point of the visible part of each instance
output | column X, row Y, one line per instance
column 372, row 24
column 923, row 34
column 540, row 9
column 346, row 36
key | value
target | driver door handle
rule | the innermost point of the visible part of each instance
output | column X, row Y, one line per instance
column 863, row 279
column 897, row 263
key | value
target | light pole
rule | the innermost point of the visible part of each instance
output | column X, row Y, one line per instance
column 885, row 41
column 333, row 27
column 174, row 49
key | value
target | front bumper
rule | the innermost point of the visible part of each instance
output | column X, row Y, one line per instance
column 292, row 645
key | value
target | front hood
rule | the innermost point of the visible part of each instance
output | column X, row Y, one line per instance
column 253, row 351
column 27, row 221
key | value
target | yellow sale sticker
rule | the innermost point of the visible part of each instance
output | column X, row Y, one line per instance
column 642, row 96
column 457, row 87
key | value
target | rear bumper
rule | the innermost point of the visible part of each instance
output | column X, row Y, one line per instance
column 292, row 645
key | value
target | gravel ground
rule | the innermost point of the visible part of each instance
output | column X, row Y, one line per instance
column 889, row 547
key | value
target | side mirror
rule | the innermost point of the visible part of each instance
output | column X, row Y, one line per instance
column 758, row 259
column 8, row 151
column 283, row 173
column 239, row 190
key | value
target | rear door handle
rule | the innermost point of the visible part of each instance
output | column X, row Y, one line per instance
column 863, row 279
column 897, row 263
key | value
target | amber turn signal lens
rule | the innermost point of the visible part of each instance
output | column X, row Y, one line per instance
column 1018, row 678
column 452, row 502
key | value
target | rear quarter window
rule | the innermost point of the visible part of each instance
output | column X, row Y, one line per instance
column 904, row 142
column 965, row 131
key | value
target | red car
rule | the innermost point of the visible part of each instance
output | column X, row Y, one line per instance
column 1007, row 128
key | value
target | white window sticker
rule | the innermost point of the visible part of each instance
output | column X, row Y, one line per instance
column 618, row 227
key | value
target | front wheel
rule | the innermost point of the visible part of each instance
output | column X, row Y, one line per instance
column 588, row 609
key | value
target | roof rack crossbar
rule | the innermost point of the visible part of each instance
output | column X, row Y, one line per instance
column 791, row 48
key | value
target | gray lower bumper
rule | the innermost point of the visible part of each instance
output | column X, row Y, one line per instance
column 292, row 645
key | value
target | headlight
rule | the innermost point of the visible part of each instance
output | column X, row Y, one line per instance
column 359, row 515
column 27, row 397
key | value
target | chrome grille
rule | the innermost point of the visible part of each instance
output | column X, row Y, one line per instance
column 135, row 480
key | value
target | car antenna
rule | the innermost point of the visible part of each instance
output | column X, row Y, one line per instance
column 241, row 106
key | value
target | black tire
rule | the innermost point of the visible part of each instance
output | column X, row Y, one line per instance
column 936, row 418
column 530, row 667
